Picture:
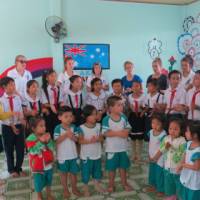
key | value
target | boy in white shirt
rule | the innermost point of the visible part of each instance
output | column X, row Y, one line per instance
column 116, row 128
column 67, row 158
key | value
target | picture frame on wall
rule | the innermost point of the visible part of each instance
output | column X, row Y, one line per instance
column 86, row 54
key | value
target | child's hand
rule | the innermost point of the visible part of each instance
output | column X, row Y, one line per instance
column 179, row 168
column 16, row 114
column 34, row 113
column 15, row 130
column 69, row 134
column 53, row 109
column 42, row 139
column 93, row 139
column 123, row 134
column 167, row 145
column 48, row 137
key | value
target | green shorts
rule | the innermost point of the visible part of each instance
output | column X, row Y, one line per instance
column 91, row 168
column 42, row 180
column 117, row 160
column 172, row 183
column 69, row 166
column 156, row 177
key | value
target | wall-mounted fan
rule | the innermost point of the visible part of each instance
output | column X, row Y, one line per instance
column 56, row 27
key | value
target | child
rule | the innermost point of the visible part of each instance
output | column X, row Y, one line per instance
column 40, row 149
column 97, row 97
column 117, row 88
column 154, row 103
column 74, row 98
column 51, row 99
column 97, row 73
column 12, row 128
column 175, row 96
column 65, row 137
column 31, row 103
column 193, row 99
column 129, row 78
column 173, row 148
column 156, row 171
column 187, row 73
column 116, row 128
column 63, row 78
column 190, row 174
column 136, row 119
column 90, row 139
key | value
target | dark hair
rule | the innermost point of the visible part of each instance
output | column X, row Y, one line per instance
column 111, row 101
column 194, row 127
column 197, row 72
column 72, row 79
column 188, row 58
column 95, row 80
column 160, row 117
column 5, row 81
column 153, row 82
column 127, row 63
column 64, row 109
column 87, row 111
column 157, row 60
column 180, row 122
column 174, row 72
column 44, row 80
column 31, row 82
column 33, row 122
column 95, row 64
column 117, row 80
column 66, row 59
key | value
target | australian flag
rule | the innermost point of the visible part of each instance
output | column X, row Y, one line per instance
column 85, row 55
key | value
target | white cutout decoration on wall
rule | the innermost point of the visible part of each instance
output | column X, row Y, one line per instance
column 189, row 41
column 154, row 48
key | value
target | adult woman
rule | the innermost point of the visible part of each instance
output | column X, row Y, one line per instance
column 162, row 79
column 97, row 73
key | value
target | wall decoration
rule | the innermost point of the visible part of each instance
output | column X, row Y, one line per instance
column 154, row 48
column 85, row 55
column 172, row 61
column 189, row 41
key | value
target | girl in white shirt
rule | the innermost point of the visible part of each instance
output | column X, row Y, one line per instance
column 190, row 174
column 90, row 139
column 97, row 97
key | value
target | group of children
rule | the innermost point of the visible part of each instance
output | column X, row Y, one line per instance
column 64, row 117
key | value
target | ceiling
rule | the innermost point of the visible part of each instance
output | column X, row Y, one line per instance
column 169, row 2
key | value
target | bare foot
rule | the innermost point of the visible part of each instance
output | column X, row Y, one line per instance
column 150, row 189
column 111, row 189
column 66, row 194
column 50, row 197
column 160, row 194
column 76, row 192
column 127, row 188
column 14, row 175
column 22, row 173
column 86, row 194
column 99, row 188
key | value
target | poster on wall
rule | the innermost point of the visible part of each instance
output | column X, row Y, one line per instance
column 85, row 55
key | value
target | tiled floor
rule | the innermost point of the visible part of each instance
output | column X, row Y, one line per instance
column 22, row 188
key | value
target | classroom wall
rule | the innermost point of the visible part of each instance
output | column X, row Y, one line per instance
column 127, row 27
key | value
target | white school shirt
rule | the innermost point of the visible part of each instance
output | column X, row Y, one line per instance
column 90, row 78
column 90, row 151
column 174, row 155
column 17, row 107
column 179, row 98
column 72, row 95
column 98, row 102
column 154, row 145
column 20, row 81
column 191, row 178
column 185, row 81
column 28, row 102
column 66, row 150
column 63, row 78
column 150, row 101
column 115, row 144
column 51, row 95
column 194, row 115
column 134, row 101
